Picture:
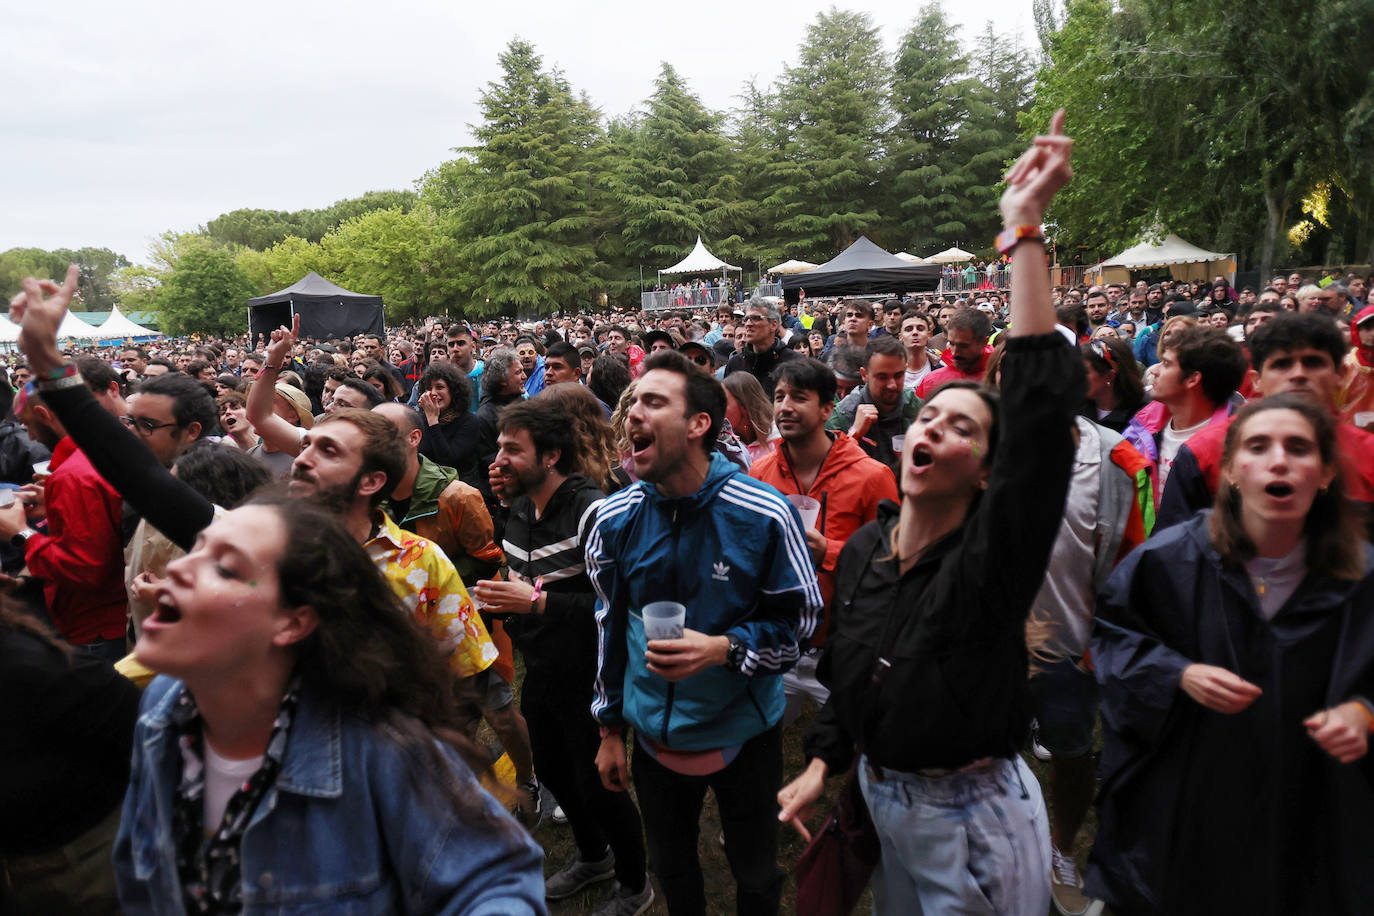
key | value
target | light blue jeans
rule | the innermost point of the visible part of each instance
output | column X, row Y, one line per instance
column 967, row 843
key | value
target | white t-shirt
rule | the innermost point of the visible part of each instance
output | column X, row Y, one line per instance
column 913, row 378
column 1276, row 579
column 223, row 777
column 1170, row 441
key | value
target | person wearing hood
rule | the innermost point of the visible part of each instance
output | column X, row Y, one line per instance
column 830, row 468
column 877, row 413
column 966, row 356
column 1355, row 400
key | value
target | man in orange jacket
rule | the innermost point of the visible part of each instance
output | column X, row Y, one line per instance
column 831, row 468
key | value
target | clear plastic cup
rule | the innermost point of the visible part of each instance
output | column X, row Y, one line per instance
column 898, row 444
column 808, row 508
column 664, row 620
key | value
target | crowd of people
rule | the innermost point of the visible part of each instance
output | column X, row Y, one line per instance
column 261, row 595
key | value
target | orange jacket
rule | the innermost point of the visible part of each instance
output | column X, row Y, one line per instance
column 849, row 487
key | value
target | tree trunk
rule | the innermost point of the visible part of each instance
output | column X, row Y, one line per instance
column 1273, row 224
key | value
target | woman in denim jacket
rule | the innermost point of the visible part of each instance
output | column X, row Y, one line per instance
column 305, row 758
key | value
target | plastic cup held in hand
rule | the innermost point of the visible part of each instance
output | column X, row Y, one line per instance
column 664, row 620
column 898, row 444
column 808, row 508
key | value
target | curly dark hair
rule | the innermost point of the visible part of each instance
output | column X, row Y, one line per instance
column 368, row 655
column 459, row 389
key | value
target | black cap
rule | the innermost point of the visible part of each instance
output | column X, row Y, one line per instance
column 652, row 336
column 698, row 345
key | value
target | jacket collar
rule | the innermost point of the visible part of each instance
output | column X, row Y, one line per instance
column 314, row 751
column 430, row 482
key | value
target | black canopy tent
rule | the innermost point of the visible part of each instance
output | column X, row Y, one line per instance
column 326, row 310
column 860, row 269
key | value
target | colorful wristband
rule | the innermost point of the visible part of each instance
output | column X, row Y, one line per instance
column 66, row 370
column 534, row 596
column 57, row 384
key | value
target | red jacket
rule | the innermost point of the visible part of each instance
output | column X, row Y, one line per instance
column 81, row 557
column 950, row 373
column 849, row 487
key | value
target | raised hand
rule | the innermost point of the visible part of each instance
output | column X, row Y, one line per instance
column 39, row 318
column 282, row 341
column 1035, row 178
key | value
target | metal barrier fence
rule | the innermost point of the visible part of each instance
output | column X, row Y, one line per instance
column 684, row 298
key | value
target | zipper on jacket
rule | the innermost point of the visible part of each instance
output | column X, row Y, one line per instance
column 668, row 706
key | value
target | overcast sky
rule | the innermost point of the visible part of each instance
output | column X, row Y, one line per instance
column 123, row 120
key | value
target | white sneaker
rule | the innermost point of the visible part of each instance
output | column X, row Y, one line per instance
column 1039, row 750
column 1066, row 887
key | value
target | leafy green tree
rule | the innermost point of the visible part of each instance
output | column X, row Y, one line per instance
column 97, row 266
column 1190, row 122
column 261, row 229
column 832, row 109
column 989, row 137
column 931, row 89
column 669, row 183
column 205, row 293
column 527, row 224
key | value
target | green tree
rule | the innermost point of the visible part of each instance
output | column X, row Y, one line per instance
column 205, row 293
column 832, row 111
column 527, row 224
column 261, row 229
column 989, row 138
column 669, row 184
column 1190, row 120
column 98, row 267
column 931, row 89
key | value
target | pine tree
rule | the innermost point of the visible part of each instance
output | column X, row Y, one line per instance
column 526, row 235
column 989, row 138
column 832, row 109
column 668, row 181
column 931, row 87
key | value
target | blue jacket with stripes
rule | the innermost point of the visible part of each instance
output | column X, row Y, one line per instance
column 734, row 554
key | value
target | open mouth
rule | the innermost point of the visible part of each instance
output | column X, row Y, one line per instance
column 165, row 612
column 1279, row 490
column 920, row 458
column 639, row 442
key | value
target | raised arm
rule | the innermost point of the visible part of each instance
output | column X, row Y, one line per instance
column 1031, row 184
column 276, row 432
column 121, row 457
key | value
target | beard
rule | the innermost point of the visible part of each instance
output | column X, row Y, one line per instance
column 522, row 482
column 336, row 498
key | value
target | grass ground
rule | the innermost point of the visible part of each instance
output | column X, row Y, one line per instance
column 558, row 842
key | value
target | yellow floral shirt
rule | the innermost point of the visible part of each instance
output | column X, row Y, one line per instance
column 432, row 591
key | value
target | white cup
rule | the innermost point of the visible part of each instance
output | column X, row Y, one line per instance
column 898, row 443
column 808, row 508
column 6, row 497
column 664, row 620
column 40, row 469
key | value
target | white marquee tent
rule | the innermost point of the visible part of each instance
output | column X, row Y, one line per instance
column 950, row 256
column 700, row 261
column 910, row 258
column 9, row 331
column 1172, row 252
column 792, row 267
column 73, row 328
column 118, row 326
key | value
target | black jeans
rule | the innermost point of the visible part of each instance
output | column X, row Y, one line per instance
column 747, row 795
column 564, row 740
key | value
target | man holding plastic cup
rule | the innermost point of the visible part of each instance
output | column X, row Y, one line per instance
column 706, row 707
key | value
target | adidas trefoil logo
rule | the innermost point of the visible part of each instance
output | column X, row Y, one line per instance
column 721, row 573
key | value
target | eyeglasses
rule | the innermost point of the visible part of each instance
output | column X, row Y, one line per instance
column 1104, row 352
column 143, row 426
column 750, row 319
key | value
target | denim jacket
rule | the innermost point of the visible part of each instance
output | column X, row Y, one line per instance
column 345, row 829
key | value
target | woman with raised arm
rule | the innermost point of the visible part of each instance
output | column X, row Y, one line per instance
column 301, row 750
column 926, row 661
column 1236, row 658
